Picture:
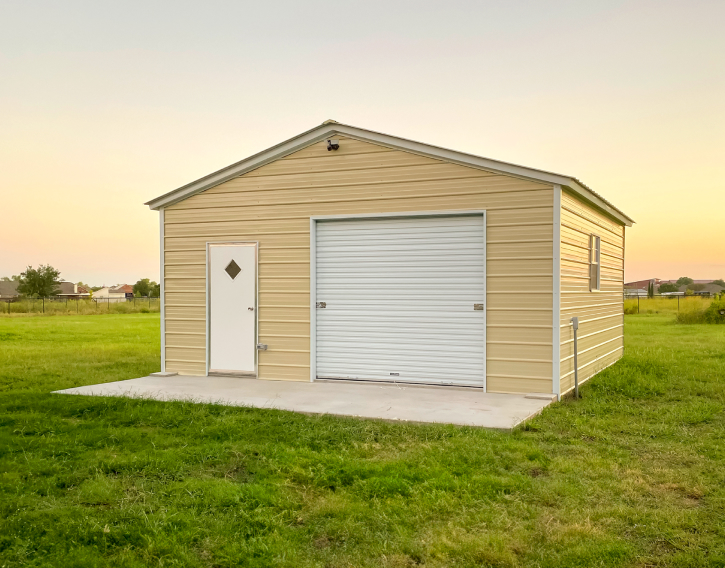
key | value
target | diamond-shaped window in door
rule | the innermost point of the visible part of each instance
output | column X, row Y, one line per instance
column 233, row 269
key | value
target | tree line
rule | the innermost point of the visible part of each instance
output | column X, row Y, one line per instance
column 44, row 281
column 689, row 282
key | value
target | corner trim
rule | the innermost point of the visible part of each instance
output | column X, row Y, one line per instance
column 162, row 294
column 556, row 308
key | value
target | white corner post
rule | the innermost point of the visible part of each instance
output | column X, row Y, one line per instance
column 162, row 298
column 485, row 303
column 556, row 307
column 313, row 299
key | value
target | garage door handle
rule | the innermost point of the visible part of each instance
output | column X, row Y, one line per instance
column 321, row 304
column 478, row 307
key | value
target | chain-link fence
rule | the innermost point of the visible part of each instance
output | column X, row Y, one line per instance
column 56, row 305
column 665, row 304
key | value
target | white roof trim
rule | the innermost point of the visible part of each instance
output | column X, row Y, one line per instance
column 331, row 128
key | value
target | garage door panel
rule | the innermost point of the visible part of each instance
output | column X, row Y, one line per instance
column 399, row 298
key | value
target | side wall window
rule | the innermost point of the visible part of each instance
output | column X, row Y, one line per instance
column 595, row 272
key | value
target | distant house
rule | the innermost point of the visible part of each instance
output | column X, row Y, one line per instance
column 694, row 281
column 66, row 290
column 126, row 289
column 643, row 284
column 635, row 292
column 114, row 293
column 71, row 291
column 708, row 290
column 8, row 290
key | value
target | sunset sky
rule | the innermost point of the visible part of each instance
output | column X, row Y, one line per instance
column 104, row 106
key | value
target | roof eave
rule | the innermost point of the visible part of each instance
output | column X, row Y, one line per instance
column 583, row 191
column 471, row 160
column 240, row 168
column 330, row 128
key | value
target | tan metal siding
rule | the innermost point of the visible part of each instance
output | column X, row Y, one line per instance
column 273, row 205
column 601, row 313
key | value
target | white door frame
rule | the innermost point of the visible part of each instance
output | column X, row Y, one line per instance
column 313, row 270
column 256, row 300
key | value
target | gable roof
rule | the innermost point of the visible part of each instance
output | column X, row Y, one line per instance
column 330, row 128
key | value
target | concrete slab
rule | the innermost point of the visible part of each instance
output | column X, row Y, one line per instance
column 467, row 407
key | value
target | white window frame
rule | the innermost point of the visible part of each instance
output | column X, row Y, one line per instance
column 595, row 265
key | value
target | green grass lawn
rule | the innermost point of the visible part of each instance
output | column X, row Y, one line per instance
column 632, row 475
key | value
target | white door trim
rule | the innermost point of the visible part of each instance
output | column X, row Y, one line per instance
column 208, row 300
column 313, row 270
column 313, row 298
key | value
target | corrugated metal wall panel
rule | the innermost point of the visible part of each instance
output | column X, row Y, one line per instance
column 358, row 177
column 600, row 312
column 295, row 197
column 400, row 295
column 517, row 383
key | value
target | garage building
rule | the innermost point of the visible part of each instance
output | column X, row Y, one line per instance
column 346, row 254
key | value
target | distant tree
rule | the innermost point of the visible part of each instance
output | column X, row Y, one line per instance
column 719, row 282
column 146, row 288
column 651, row 289
column 683, row 281
column 13, row 278
column 668, row 287
column 42, row 281
column 96, row 288
column 141, row 288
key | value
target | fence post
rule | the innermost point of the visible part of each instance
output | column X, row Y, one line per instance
column 638, row 303
column 678, row 303
column 575, row 327
column 43, row 304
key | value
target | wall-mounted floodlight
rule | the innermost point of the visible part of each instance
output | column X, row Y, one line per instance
column 333, row 145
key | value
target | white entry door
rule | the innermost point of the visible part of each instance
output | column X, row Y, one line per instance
column 233, row 308
column 401, row 299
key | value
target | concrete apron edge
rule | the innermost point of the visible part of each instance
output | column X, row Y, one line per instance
column 501, row 417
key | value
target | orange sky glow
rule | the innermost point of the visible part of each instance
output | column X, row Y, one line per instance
column 103, row 107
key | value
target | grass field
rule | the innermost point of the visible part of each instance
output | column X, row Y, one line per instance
column 59, row 307
column 632, row 475
column 666, row 304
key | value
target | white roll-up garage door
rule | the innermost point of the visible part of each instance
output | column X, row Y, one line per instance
column 401, row 299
